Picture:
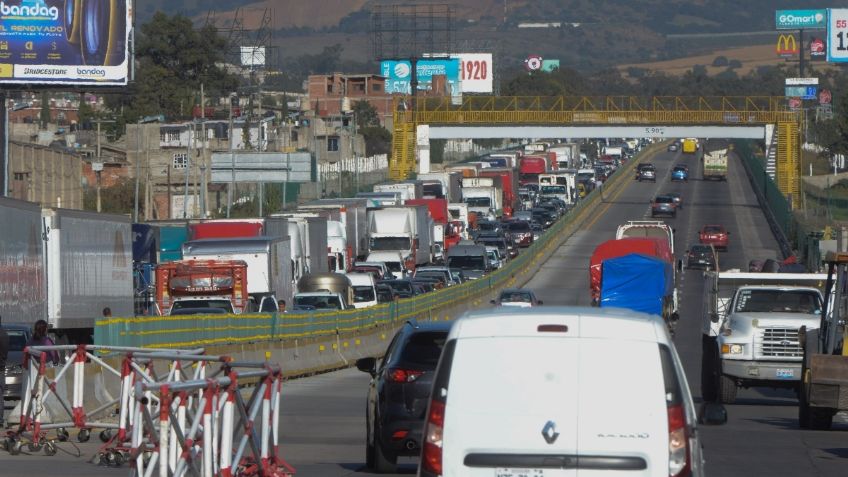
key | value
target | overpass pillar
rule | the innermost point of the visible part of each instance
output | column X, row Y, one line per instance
column 789, row 161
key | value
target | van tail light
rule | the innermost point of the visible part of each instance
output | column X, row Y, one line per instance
column 678, row 442
column 397, row 375
column 431, row 454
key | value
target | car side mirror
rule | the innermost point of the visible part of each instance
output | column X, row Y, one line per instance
column 712, row 414
column 367, row 365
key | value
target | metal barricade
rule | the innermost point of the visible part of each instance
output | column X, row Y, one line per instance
column 205, row 427
column 68, row 389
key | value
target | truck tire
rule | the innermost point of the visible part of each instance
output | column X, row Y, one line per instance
column 709, row 379
column 727, row 389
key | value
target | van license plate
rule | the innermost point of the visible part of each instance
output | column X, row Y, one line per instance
column 785, row 373
column 510, row 472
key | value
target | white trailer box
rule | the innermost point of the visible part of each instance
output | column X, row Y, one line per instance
column 451, row 184
column 268, row 265
column 88, row 259
column 408, row 189
column 350, row 212
column 22, row 294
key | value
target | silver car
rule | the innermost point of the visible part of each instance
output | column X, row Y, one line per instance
column 19, row 336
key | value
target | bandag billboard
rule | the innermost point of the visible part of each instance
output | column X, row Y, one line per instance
column 82, row 42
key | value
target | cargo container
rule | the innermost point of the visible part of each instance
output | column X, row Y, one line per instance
column 651, row 246
column 445, row 234
column 22, row 293
column 529, row 168
column 352, row 213
column 511, row 158
column 269, row 271
column 379, row 199
column 405, row 229
column 408, row 189
column 639, row 283
column 509, row 188
column 715, row 165
column 465, row 170
column 567, row 155
column 449, row 185
column 88, row 264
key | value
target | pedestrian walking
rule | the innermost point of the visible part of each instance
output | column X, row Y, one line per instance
column 40, row 338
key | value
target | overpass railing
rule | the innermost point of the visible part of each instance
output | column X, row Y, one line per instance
column 210, row 330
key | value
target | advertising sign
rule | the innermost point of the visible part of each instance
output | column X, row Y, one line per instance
column 800, row 19
column 825, row 97
column 252, row 55
column 533, row 63
column 818, row 49
column 261, row 167
column 802, row 81
column 476, row 72
column 786, row 45
column 803, row 92
column 837, row 35
column 399, row 74
column 550, row 65
column 81, row 42
column 794, row 104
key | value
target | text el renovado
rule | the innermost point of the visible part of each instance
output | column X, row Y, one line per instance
column 96, row 72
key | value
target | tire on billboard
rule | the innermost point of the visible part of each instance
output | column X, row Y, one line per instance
column 99, row 27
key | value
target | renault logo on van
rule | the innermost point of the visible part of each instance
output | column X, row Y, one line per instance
column 549, row 432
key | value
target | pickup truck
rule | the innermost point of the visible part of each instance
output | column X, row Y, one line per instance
column 750, row 329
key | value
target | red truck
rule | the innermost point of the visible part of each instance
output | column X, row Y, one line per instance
column 448, row 236
column 651, row 246
column 553, row 164
column 193, row 284
column 529, row 168
column 509, row 184
column 226, row 229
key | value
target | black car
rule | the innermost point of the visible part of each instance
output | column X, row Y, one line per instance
column 702, row 256
column 399, row 393
column 543, row 217
column 401, row 288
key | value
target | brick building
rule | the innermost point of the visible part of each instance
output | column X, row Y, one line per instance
column 327, row 92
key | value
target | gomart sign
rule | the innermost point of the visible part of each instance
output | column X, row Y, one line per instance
column 65, row 42
column 800, row 19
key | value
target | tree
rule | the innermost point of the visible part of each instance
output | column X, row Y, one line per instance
column 366, row 114
column 720, row 61
column 174, row 58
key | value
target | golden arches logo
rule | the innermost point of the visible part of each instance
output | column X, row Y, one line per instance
column 786, row 45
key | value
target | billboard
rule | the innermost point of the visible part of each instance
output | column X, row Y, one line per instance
column 800, row 19
column 803, row 92
column 399, row 74
column 81, row 42
column 252, row 55
column 787, row 45
column 550, row 65
column 261, row 167
column 837, row 35
column 476, row 71
column 818, row 49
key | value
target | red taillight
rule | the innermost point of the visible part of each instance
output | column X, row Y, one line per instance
column 678, row 442
column 397, row 375
column 431, row 455
column 398, row 435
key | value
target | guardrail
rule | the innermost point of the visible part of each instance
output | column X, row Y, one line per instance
column 211, row 330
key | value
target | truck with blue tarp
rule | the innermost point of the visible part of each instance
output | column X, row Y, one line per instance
column 639, row 283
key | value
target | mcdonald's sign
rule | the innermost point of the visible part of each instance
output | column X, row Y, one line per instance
column 787, row 45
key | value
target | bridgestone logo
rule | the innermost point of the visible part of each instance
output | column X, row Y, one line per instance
column 45, row 71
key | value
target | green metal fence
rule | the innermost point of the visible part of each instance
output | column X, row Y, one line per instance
column 210, row 330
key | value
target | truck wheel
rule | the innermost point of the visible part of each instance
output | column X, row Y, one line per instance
column 727, row 389
column 708, row 370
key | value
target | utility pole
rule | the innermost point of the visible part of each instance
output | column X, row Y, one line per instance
column 99, row 167
column 187, row 169
column 801, row 53
column 203, row 187
column 137, row 168
column 232, row 186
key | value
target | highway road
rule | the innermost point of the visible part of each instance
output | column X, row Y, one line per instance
column 323, row 426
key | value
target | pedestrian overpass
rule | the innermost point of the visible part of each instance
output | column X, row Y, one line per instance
column 418, row 120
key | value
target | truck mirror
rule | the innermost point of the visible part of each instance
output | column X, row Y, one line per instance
column 712, row 414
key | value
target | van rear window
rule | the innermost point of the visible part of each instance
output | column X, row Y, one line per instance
column 423, row 349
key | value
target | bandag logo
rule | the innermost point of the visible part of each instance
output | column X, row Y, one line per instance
column 29, row 10
column 786, row 45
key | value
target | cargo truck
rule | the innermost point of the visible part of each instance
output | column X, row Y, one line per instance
column 824, row 369
column 445, row 234
column 442, row 185
column 690, row 145
column 646, row 228
column 269, row 274
column 651, row 246
column 640, row 283
column 751, row 326
column 352, row 213
column 529, row 168
column 509, row 188
column 193, row 286
column 405, row 229
column 567, row 155
column 715, row 165
column 411, row 189
column 484, row 196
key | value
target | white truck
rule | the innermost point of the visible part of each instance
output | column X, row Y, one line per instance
column 404, row 229
column 483, row 196
column 379, row 199
column 408, row 189
column 715, row 165
column 567, row 154
column 459, row 211
column 750, row 329
column 561, row 185
column 442, row 185
column 268, row 276
column 646, row 228
column 352, row 213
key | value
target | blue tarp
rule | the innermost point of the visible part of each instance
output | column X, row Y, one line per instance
column 636, row 282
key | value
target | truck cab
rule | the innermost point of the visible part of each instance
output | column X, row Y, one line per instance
column 751, row 329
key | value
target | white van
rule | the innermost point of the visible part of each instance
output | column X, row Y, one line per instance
column 364, row 289
column 555, row 403
column 394, row 262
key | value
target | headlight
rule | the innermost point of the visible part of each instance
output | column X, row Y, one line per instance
column 14, row 370
column 731, row 349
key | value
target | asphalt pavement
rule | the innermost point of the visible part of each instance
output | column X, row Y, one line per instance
column 323, row 424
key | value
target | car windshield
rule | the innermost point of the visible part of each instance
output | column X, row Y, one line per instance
column 584, row 176
column 430, row 274
column 782, row 301
column 225, row 305
column 487, row 226
column 467, row 262
column 17, row 339
column 663, row 199
column 363, row 293
column 679, row 169
column 390, row 243
column 423, row 349
column 518, row 226
column 701, row 251
column 320, row 302
column 478, row 201
column 516, row 297
column 712, row 230
column 393, row 266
